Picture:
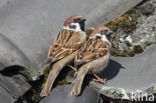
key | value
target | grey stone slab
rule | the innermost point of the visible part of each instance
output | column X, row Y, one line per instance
column 130, row 74
column 3, row 2
column 32, row 25
column 5, row 97
column 11, row 55
column 16, row 86
column 62, row 95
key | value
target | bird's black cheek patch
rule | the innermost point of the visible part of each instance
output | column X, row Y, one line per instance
column 98, row 37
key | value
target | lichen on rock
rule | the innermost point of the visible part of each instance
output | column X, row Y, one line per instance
column 114, row 93
column 135, row 30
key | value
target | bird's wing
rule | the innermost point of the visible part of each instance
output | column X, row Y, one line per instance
column 91, row 50
column 66, row 43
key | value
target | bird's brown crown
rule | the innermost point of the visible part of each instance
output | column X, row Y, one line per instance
column 98, row 29
column 71, row 18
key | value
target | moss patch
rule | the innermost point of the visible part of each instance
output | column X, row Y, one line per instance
column 125, row 25
column 138, row 49
column 122, row 53
column 88, row 32
column 60, row 80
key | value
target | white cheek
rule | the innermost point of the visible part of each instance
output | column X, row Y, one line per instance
column 77, row 29
column 104, row 38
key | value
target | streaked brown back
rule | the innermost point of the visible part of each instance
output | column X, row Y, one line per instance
column 66, row 43
column 91, row 50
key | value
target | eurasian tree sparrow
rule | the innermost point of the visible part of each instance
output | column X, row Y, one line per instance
column 92, row 57
column 64, row 49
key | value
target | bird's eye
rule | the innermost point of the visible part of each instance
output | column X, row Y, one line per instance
column 72, row 26
column 103, row 32
column 98, row 37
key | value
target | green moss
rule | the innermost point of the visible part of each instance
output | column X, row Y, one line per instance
column 133, row 10
column 36, row 97
column 59, row 81
column 122, row 53
column 62, row 82
column 131, row 53
column 135, row 50
column 154, row 88
column 46, row 70
column 127, row 23
column 45, row 73
column 109, row 25
column 138, row 49
column 88, row 32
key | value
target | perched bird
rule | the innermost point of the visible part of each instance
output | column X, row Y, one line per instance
column 64, row 48
column 93, row 56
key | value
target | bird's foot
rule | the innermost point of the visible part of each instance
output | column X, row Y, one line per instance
column 103, row 81
column 98, row 79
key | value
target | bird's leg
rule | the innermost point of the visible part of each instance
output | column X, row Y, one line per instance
column 98, row 79
column 72, row 68
column 75, row 74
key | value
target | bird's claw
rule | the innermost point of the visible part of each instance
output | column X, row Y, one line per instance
column 103, row 81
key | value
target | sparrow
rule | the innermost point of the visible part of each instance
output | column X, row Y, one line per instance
column 64, row 49
column 93, row 57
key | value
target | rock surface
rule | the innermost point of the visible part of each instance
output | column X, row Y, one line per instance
column 28, row 28
column 3, row 2
column 5, row 97
column 61, row 94
column 130, row 74
column 11, row 88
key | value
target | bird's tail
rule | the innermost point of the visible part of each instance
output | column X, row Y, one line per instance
column 50, row 80
column 76, row 90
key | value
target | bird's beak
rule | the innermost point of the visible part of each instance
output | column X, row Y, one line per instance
column 111, row 33
column 83, row 20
